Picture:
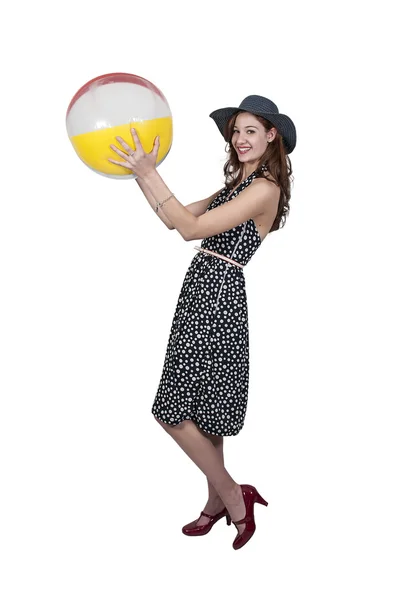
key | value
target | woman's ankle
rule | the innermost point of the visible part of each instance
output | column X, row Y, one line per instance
column 214, row 503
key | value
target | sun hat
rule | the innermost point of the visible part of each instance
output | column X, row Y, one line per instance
column 262, row 107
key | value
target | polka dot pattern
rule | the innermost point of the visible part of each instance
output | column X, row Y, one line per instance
column 205, row 375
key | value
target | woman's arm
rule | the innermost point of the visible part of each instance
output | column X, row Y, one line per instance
column 151, row 200
column 184, row 218
column 196, row 208
column 258, row 198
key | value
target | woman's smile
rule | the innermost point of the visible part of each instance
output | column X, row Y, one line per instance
column 243, row 149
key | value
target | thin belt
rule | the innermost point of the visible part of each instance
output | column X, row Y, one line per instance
column 230, row 260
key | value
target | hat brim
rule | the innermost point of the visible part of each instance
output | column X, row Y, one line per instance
column 221, row 116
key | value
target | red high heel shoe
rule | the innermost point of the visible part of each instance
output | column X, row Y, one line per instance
column 193, row 529
column 250, row 497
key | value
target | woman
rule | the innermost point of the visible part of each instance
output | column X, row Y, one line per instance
column 202, row 394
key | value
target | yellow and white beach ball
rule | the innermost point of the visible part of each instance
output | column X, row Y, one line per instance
column 111, row 105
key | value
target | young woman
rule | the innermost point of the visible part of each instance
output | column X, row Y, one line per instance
column 202, row 394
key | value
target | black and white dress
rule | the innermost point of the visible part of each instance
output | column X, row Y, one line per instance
column 205, row 374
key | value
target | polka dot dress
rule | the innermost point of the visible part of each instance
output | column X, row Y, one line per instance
column 205, row 374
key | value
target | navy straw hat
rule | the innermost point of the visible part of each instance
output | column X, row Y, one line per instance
column 258, row 105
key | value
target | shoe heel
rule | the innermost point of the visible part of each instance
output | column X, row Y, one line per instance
column 260, row 500
column 228, row 519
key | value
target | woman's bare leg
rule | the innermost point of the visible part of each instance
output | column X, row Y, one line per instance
column 203, row 453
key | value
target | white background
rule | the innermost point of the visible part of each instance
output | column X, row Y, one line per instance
column 94, row 492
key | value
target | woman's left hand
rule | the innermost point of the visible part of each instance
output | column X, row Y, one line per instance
column 137, row 160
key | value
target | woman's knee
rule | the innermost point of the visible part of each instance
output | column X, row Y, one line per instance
column 215, row 439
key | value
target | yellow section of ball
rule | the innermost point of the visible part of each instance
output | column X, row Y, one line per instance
column 94, row 147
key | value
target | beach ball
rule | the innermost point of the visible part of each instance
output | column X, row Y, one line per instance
column 111, row 105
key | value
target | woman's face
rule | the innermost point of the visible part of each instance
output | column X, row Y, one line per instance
column 249, row 138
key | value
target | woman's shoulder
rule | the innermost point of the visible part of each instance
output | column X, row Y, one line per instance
column 265, row 179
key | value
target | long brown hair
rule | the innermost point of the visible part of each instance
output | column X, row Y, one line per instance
column 274, row 158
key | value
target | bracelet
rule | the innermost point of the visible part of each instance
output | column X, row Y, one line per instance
column 160, row 204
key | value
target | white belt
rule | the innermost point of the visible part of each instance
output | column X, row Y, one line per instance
column 230, row 260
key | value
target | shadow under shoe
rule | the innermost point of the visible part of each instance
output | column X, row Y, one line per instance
column 194, row 529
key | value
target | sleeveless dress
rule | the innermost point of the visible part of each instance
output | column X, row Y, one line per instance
column 205, row 374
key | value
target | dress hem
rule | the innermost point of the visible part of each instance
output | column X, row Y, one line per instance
column 173, row 424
